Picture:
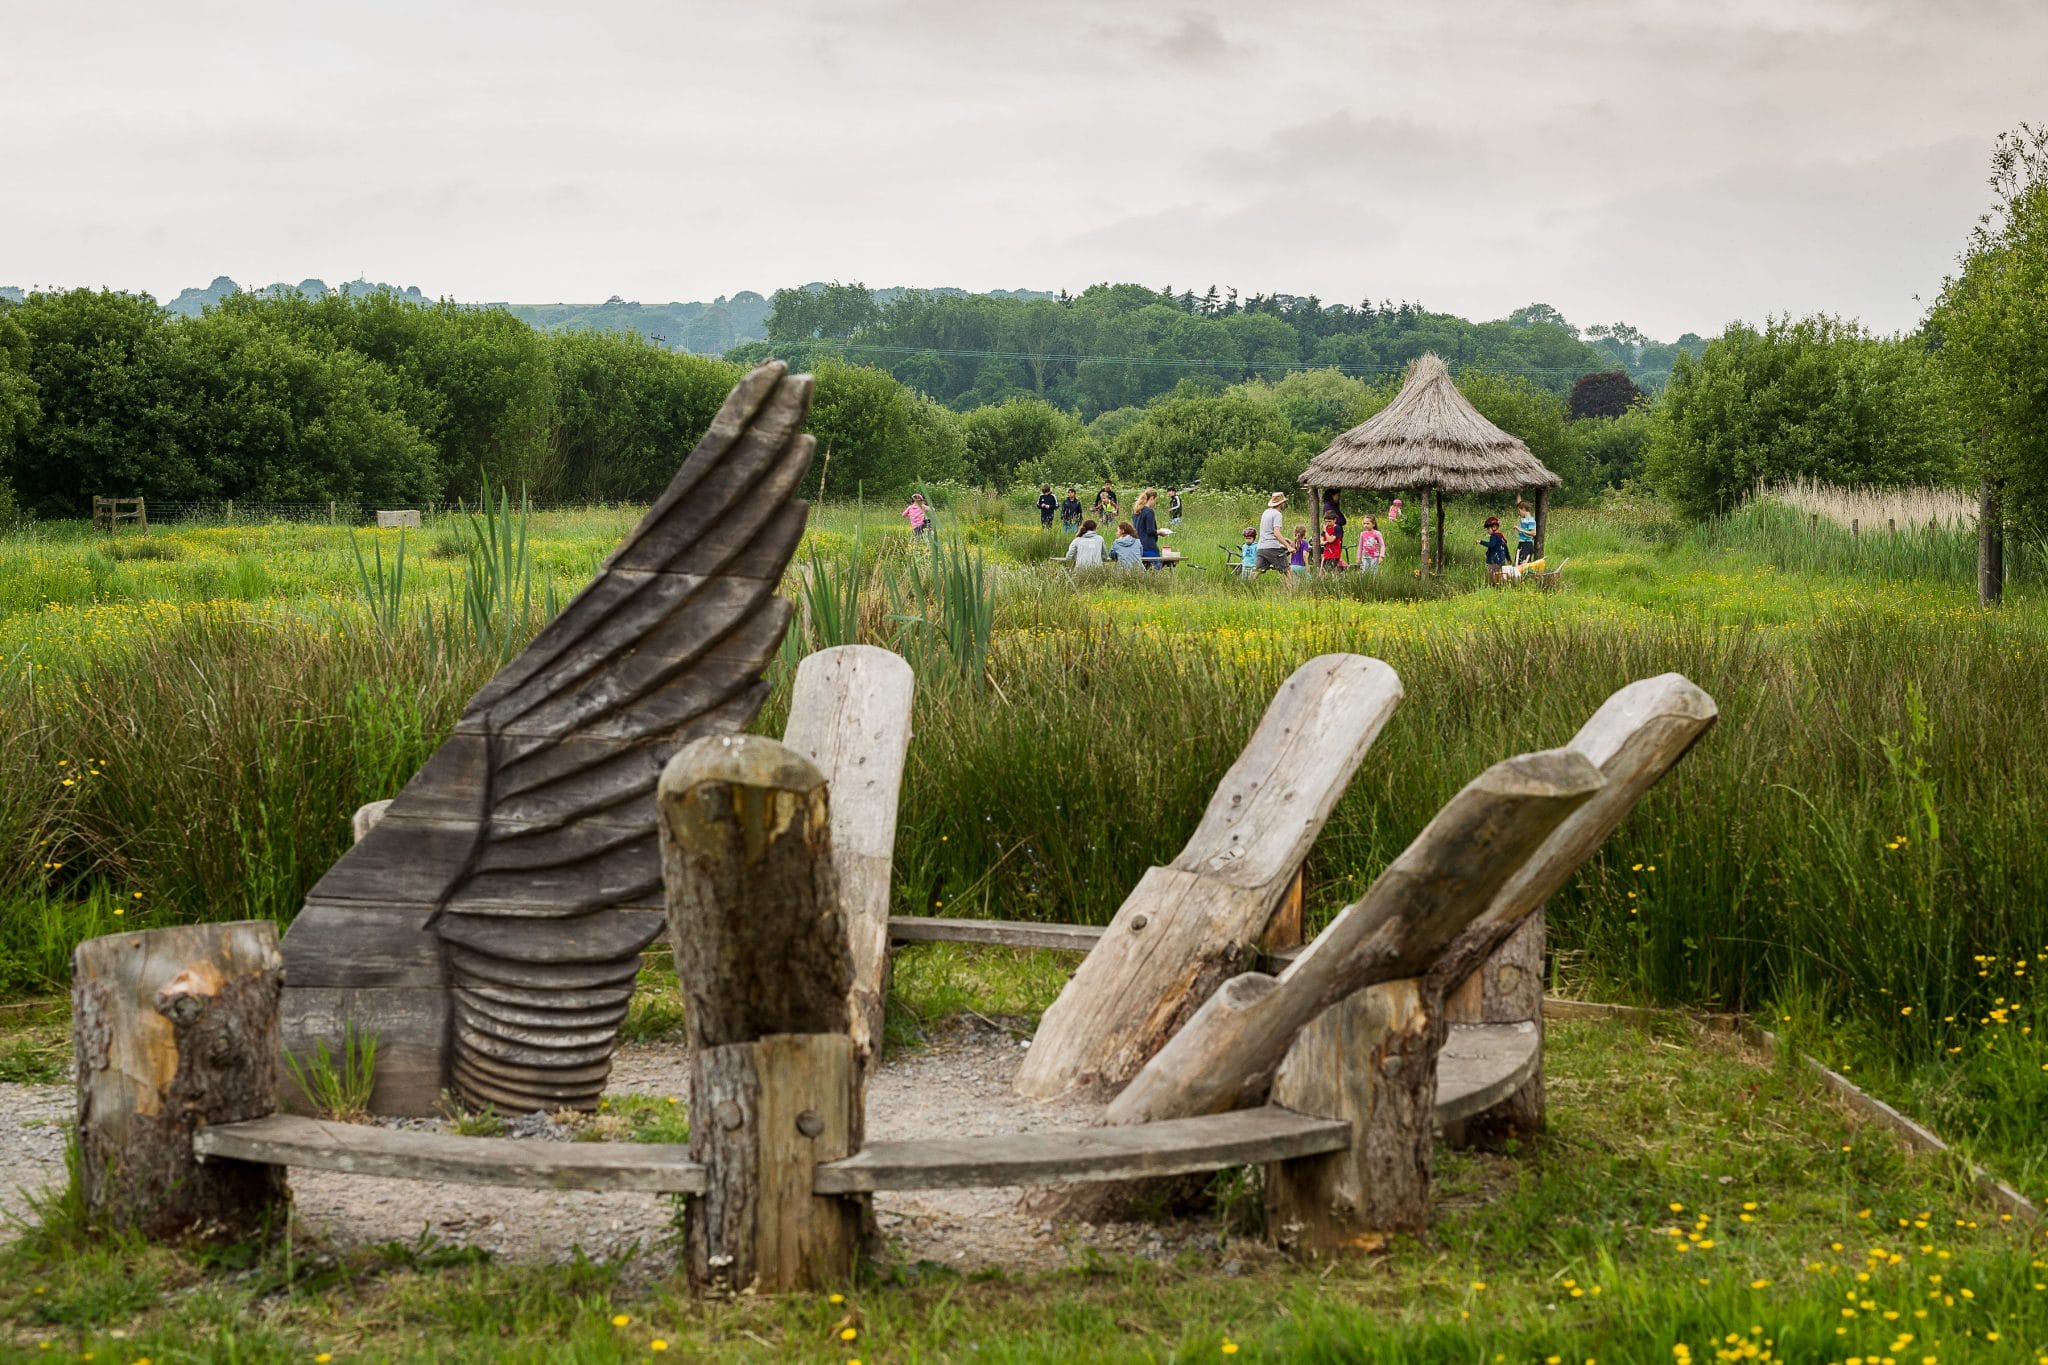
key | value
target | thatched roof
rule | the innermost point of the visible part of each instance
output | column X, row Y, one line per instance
column 1428, row 437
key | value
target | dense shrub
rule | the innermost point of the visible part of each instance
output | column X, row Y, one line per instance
column 1817, row 397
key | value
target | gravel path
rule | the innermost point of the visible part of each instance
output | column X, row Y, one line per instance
column 958, row 1086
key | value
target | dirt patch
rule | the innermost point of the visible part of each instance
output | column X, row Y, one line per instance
column 957, row 1086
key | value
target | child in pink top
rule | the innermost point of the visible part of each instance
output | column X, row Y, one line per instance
column 1372, row 546
column 917, row 514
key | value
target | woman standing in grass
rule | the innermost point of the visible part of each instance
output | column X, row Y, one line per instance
column 1145, row 524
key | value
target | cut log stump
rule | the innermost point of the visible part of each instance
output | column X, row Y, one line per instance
column 1369, row 1059
column 763, row 957
column 175, row 1029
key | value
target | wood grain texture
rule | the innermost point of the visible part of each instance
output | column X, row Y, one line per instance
column 1175, row 1147
column 760, row 944
column 174, row 1029
column 1370, row 1060
column 403, row 1154
column 525, row 835
column 1005, row 933
column 1507, row 989
column 849, row 713
column 1189, row 926
column 1225, row 1057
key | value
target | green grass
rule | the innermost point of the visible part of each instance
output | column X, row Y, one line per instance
column 183, row 754
column 1808, row 1235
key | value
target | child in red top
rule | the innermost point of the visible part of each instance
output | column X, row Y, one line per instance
column 1333, row 545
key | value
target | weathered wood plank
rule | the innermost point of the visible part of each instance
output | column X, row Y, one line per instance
column 174, row 1029
column 1226, row 1055
column 402, row 1154
column 1480, row 1065
column 1507, row 989
column 1069, row 1156
column 1004, row 933
column 410, row 1025
column 1188, row 926
column 849, row 713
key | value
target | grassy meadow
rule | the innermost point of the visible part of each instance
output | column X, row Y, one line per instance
column 187, row 719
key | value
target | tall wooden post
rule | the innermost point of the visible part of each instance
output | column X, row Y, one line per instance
column 1428, row 496
column 1990, row 545
column 1369, row 1058
column 1542, row 519
column 1440, row 556
column 174, row 1029
column 1507, row 989
column 761, row 951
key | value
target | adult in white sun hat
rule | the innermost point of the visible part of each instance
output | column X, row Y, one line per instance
column 1272, row 549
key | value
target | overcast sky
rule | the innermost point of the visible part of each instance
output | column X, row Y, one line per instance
column 1674, row 165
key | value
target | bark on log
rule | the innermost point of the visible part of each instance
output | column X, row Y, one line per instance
column 762, row 955
column 1188, row 926
column 753, row 899
column 1507, row 989
column 850, row 715
column 174, row 1029
column 763, row 1117
column 1369, row 1059
column 1226, row 1055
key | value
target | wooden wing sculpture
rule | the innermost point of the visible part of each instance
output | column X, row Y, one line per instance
column 505, row 896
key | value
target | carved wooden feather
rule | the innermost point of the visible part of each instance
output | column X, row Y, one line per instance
column 523, row 837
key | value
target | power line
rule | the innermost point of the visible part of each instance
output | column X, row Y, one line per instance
column 1160, row 362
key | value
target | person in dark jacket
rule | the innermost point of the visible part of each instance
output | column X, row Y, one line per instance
column 1070, row 511
column 1047, row 505
column 1496, row 545
column 1145, row 522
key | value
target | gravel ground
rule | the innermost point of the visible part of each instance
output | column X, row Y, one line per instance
column 958, row 1086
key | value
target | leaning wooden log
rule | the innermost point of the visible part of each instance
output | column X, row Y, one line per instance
column 1227, row 1054
column 850, row 715
column 1190, row 925
column 174, row 1029
column 1492, row 972
column 762, row 956
column 512, row 868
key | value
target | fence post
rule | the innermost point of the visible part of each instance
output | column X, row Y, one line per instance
column 1990, row 546
column 761, row 951
column 174, row 1029
column 231, row 509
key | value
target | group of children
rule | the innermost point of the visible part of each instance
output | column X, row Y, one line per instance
column 1106, row 508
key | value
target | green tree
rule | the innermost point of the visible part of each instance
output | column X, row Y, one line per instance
column 863, row 417
column 627, row 413
column 19, row 409
column 1173, row 441
column 1991, row 324
column 100, row 363
column 1013, row 433
column 1817, row 397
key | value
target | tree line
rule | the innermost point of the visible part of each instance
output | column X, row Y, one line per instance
column 1122, row 345
column 380, row 399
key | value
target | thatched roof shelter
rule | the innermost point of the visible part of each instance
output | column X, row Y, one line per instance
column 1431, row 440
column 1431, row 437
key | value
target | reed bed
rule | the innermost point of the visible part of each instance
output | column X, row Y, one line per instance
column 1875, row 508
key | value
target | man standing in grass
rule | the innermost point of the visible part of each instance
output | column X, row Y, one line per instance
column 1272, row 549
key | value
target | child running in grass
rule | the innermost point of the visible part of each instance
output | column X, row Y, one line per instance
column 1372, row 546
column 1333, row 545
column 917, row 514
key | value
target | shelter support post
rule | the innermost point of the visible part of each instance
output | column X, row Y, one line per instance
column 1428, row 496
column 763, row 957
column 175, row 1029
column 1440, row 556
column 1542, row 519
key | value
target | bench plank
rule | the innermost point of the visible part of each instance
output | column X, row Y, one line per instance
column 360, row 1149
column 1480, row 1065
column 1069, row 1156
